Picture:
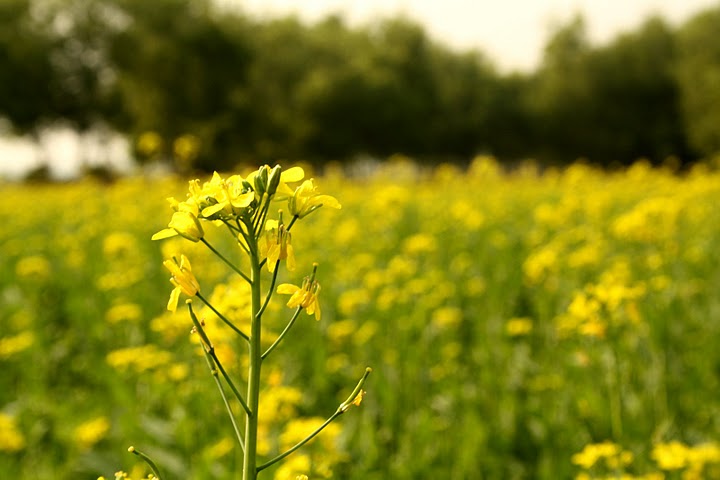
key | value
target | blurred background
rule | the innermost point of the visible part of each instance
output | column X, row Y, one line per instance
column 110, row 84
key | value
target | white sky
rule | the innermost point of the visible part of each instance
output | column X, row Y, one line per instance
column 511, row 32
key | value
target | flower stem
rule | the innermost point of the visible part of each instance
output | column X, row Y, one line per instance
column 302, row 442
column 147, row 460
column 270, row 288
column 341, row 409
column 210, row 350
column 228, row 262
column 255, row 360
column 214, row 373
column 222, row 317
column 282, row 334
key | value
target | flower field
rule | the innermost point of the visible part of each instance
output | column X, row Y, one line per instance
column 552, row 325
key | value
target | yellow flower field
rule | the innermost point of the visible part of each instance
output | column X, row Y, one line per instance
column 545, row 325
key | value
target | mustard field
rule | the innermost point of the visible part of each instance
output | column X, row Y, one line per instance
column 555, row 324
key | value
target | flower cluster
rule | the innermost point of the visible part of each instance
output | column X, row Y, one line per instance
column 242, row 204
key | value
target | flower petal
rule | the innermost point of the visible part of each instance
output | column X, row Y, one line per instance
column 164, row 233
column 287, row 288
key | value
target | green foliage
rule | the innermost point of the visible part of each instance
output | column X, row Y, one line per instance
column 249, row 90
column 698, row 73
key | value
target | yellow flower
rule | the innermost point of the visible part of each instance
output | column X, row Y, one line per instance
column 184, row 221
column 184, row 224
column 358, row 399
column 277, row 246
column 670, row 456
column 305, row 296
column 91, row 432
column 518, row 326
column 11, row 437
column 182, row 278
column 305, row 200
column 220, row 194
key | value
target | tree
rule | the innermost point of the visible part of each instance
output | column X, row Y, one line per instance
column 698, row 76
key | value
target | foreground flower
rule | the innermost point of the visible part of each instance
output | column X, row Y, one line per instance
column 183, row 223
column 229, row 196
column 305, row 296
column 183, row 279
column 276, row 246
column 306, row 200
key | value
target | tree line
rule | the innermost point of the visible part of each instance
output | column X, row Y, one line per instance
column 210, row 87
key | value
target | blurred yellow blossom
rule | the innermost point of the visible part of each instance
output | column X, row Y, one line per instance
column 91, row 432
column 11, row 438
column 518, row 326
column 11, row 345
column 33, row 266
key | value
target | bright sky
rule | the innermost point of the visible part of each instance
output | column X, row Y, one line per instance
column 511, row 32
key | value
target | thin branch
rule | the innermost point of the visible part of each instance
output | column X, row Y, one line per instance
column 301, row 443
column 147, row 460
column 270, row 289
column 341, row 409
column 214, row 372
column 222, row 317
column 282, row 334
column 210, row 350
column 228, row 262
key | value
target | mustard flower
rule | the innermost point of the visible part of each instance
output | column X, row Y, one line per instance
column 183, row 279
column 277, row 246
column 305, row 296
column 231, row 194
column 184, row 222
column 306, row 199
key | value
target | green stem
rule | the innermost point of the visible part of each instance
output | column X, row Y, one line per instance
column 282, row 334
column 210, row 350
column 228, row 262
column 237, row 394
column 270, row 288
column 261, row 216
column 301, row 443
column 255, row 360
column 234, row 231
column 222, row 317
column 341, row 409
column 292, row 222
column 147, row 460
column 214, row 373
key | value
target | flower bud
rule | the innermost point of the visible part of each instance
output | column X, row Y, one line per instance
column 261, row 180
column 274, row 180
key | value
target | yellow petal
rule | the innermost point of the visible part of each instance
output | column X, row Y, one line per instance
column 174, row 297
column 287, row 288
column 243, row 200
column 165, row 233
column 210, row 211
column 327, row 201
column 293, row 174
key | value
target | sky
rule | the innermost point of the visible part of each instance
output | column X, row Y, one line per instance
column 511, row 33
